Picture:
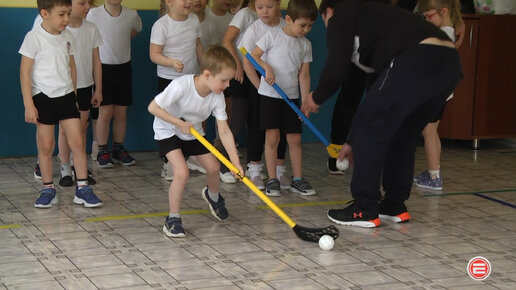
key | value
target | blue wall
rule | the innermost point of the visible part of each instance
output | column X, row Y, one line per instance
column 18, row 137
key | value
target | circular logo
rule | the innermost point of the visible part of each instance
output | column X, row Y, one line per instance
column 479, row 268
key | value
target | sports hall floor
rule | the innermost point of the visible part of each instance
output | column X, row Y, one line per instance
column 121, row 245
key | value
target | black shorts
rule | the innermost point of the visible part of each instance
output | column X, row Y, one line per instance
column 277, row 114
column 439, row 115
column 239, row 90
column 117, row 84
column 84, row 96
column 189, row 148
column 53, row 110
column 163, row 84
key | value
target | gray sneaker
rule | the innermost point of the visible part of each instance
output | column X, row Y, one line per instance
column 281, row 171
column 302, row 187
column 273, row 187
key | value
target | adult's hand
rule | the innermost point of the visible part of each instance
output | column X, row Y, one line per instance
column 346, row 152
column 309, row 106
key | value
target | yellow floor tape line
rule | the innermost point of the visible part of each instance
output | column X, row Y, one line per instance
column 10, row 226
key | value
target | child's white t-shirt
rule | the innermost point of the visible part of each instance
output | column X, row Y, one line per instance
column 242, row 20
column 220, row 23
column 178, row 39
column 207, row 33
column 181, row 100
column 450, row 31
column 284, row 54
column 255, row 31
column 115, row 32
column 87, row 37
column 51, row 73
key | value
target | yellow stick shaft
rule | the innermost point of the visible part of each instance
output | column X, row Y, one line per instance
column 244, row 179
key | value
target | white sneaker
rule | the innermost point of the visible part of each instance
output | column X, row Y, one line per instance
column 193, row 164
column 227, row 177
column 94, row 150
column 167, row 172
column 281, row 171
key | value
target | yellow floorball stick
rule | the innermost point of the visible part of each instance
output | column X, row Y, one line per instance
column 307, row 234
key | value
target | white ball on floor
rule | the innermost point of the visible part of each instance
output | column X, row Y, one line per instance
column 342, row 165
column 326, row 242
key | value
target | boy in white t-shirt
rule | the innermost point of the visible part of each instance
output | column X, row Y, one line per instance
column 286, row 59
column 173, row 37
column 117, row 25
column 89, row 72
column 221, row 17
column 207, row 25
column 187, row 102
column 48, row 80
column 269, row 19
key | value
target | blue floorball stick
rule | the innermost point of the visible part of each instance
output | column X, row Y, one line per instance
column 333, row 149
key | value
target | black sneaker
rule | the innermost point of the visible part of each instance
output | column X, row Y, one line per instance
column 332, row 167
column 122, row 156
column 91, row 180
column 66, row 180
column 173, row 227
column 218, row 209
column 37, row 172
column 393, row 212
column 353, row 215
column 104, row 159
column 273, row 187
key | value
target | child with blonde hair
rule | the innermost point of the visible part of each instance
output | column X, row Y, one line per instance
column 444, row 14
column 187, row 102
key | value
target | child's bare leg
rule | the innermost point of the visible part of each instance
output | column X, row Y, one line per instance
column 119, row 123
column 103, row 122
column 212, row 166
column 272, row 137
column 432, row 146
column 45, row 142
column 84, row 121
column 76, row 141
column 64, row 149
column 175, row 191
column 295, row 153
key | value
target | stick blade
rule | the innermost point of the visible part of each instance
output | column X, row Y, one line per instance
column 314, row 234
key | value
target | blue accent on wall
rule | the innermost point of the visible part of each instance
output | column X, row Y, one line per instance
column 18, row 137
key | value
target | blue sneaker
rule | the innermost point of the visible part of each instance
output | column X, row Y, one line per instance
column 433, row 182
column 218, row 209
column 104, row 159
column 85, row 196
column 421, row 176
column 173, row 227
column 37, row 172
column 122, row 156
column 47, row 197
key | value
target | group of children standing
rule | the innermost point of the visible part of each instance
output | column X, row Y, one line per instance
column 197, row 57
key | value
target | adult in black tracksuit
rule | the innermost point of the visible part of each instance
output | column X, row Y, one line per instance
column 418, row 68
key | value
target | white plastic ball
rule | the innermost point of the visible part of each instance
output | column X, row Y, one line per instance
column 326, row 242
column 342, row 165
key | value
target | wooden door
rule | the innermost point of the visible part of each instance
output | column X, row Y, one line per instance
column 457, row 120
column 495, row 93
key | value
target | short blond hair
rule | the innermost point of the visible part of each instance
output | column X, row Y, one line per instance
column 217, row 58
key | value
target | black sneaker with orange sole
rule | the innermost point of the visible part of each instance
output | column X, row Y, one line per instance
column 353, row 215
column 394, row 212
